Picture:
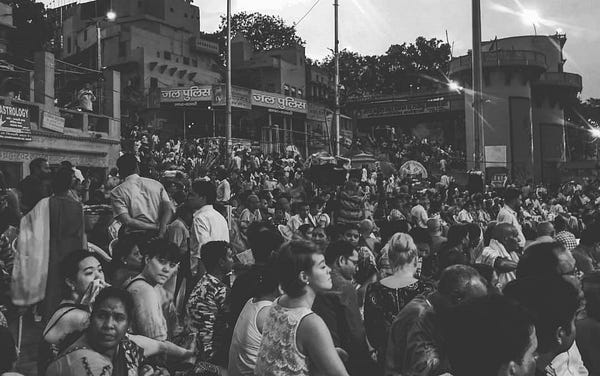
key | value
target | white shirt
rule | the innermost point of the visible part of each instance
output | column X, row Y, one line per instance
column 464, row 216
column 507, row 215
column 224, row 191
column 489, row 256
column 208, row 225
column 139, row 197
column 419, row 215
column 295, row 222
column 569, row 363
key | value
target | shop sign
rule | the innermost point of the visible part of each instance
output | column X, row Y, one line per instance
column 394, row 109
column 278, row 101
column 240, row 97
column 53, row 122
column 190, row 94
column 14, row 123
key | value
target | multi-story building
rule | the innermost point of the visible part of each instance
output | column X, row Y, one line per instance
column 152, row 44
column 525, row 94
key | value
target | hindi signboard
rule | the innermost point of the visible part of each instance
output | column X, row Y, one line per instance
column 14, row 123
column 202, row 93
column 396, row 109
column 278, row 101
column 316, row 112
column 240, row 97
column 53, row 122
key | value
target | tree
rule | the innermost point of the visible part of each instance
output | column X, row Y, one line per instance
column 264, row 32
column 34, row 29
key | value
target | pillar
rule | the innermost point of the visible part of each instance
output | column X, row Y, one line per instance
column 44, row 78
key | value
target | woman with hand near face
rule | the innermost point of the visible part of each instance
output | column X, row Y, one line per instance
column 294, row 339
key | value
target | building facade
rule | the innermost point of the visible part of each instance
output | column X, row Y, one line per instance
column 525, row 93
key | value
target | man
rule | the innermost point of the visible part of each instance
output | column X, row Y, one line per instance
column 367, row 238
column 208, row 224
column 434, row 226
column 339, row 307
column 178, row 232
column 509, row 213
column 206, row 304
column 300, row 218
column 224, row 188
column 36, row 186
column 415, row 344
column 491, row 336
column 86, row 98
column 554, row 303
column 545, row 232
column 140, row 204
column 501, row 254
column 563, row 235
column 425, row 264
column 251, row 213
column 419, row 213
column 587, row 253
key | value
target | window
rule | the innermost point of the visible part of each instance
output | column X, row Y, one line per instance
column 157, row 53
column 153, row 82
column 122, row 49
column 194, row 62
column 69, row 45
column 293, row 91
column 85, row 35
column 167, row 55
column 186, row 60
column 177, row 60
column 300, row 93
column 286, row 90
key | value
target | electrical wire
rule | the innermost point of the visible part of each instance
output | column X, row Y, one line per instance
column 306, row 14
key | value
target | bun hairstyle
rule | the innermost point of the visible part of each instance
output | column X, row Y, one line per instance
column 294, row 257
column 401, row 249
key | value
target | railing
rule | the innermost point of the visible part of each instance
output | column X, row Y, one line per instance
column 73, row 119
column 572, row 80
column 98, row 123
column 500, row 59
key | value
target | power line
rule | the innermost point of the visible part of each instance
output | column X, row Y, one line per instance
column 306, row 14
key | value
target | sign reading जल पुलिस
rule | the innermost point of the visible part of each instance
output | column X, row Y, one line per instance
column 14, row 123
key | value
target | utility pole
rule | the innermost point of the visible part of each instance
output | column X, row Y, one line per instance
column 336, row 81
column 228, row 86
column 477, row 73
column 99, row 64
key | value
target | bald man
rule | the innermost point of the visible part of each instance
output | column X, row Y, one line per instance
column 501, row 254
column 545, row 232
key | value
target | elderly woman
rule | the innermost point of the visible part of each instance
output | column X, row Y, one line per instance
column 293, row 337
column 385, row 299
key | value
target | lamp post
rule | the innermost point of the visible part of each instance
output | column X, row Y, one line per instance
column 477, row 74
column 110, row 16
column 336, row 80
column 228, row 85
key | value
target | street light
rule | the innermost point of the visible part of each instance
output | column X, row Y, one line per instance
column 111, row 15
column 454, row 86
column 595, row 132
column 531, row 17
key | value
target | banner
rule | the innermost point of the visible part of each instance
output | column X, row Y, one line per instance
column 278, row 101
column 190, row 94
column 240, row 97
column 394, row 109
column 53, row 122
column 14, row 123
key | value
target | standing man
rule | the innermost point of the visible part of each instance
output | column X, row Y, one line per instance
column 140, row 204
column 208, row 224
column 36, row 186
column 86, row 98
column 224, row 188
column 419, row 213
column 509, row 213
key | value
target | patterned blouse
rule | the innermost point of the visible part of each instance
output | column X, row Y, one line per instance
column 203, row 310
column 382, row 305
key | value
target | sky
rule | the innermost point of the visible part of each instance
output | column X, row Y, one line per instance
column 371, row 26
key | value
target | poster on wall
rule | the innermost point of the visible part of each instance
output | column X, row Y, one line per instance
column 14, row 123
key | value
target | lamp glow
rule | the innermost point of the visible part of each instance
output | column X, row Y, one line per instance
column 530, row 16
column 111, row 15
column 595, row 132
column 454, row 86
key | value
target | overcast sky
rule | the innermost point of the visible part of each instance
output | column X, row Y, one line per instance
column 371, row 26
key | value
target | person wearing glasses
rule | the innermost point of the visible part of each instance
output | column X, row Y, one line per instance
column 385, row 299
column 339, row 307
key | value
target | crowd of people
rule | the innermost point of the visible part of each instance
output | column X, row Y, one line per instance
column 258, row 266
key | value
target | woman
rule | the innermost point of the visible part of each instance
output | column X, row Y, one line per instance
column 127, row 258
column 84, row 277
column 385, row 299
column 456, row 249
column 295, row 341
column 161, row 259
column 247, row 336
column 104, row 348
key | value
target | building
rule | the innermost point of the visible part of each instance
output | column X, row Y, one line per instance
column 525, row 94
column 37, row 128
column 153, row 44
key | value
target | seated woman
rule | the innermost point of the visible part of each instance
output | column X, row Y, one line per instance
column 84, row 278
column 161, row 259
column 104, row 348
column 385, row 299
column 293, row 337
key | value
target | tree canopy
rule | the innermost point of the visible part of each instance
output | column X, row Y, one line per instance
column 34, row 29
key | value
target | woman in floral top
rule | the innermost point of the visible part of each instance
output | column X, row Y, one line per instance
column 385, row 299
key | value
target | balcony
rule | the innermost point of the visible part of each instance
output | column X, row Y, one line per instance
column 561, row 80
column 205, row 46
column 493, row 59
